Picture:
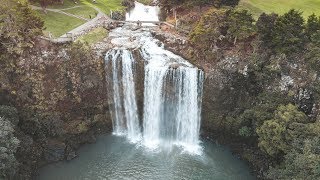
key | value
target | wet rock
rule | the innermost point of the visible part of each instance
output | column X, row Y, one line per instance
column 54, row 151
column 71, row 156
column 174, row 66
column 118, row 15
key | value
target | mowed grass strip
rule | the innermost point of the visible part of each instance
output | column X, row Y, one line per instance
column 94, row 36
column 257, row 7
column 59, row 24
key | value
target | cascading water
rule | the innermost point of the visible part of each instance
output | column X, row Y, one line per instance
column 172, row 100
column 172, row 91
column 123, row 102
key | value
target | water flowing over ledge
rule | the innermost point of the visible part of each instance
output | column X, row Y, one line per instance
column 172, row 92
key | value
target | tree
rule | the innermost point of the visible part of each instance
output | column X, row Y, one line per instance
column 265, row 28
column 240, row 25
column 312, row 58
column 302, row 162
column 312, row 26
column 277, row 134
column 19, row 27
column 288, row 34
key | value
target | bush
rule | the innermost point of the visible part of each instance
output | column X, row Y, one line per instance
column 10, row 113
column 245, row 131
column 277, row 134
column 288, row 33
column 8, row 147
column 240, row 25
column 302, row 162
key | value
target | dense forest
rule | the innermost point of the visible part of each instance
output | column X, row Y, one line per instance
column 53, row 95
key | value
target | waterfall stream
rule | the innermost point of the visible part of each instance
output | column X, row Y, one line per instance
column 172, row 91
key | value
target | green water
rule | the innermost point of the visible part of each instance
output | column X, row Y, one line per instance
column 112, row 157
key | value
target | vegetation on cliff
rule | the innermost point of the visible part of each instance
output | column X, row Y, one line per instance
column 263, row 87
column 51, row 96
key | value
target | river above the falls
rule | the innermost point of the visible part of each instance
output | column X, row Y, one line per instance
column 113, row 157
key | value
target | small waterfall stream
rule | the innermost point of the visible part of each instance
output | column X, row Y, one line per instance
column 172, row 90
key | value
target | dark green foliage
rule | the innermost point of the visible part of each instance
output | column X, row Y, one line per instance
column 240, row 25
column 312, row 26
column 302, row 162
column 245, row 131
column 288, row 33
column 315, row 38
column 208, row 31
column 277, row 134
column 313, row 58
column 265, row 28
column 232, row 3
column 10, row 113
column 8, row 147
column 217, row 3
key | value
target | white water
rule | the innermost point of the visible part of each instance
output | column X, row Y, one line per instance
column 172, row 90
column 143, row 13
column 124, row 108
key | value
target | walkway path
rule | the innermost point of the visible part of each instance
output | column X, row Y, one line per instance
column 99, row 20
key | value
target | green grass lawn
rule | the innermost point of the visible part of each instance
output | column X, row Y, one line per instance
column 84, row 11
column 105, row 5
column 281, row 6
column 94, row 36
column 58, row 24
column 66, row 4
column 146, row 2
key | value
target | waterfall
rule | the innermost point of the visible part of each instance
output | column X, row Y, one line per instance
column 172, row 106
column 172, row 92
column 123, row 102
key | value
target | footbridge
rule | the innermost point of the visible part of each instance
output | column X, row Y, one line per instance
column 147, row 22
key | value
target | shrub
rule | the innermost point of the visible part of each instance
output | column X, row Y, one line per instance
column 8, row 147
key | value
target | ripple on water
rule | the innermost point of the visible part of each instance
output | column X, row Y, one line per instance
column 113, row 157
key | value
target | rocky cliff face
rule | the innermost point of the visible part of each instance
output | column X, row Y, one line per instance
column 60, row 101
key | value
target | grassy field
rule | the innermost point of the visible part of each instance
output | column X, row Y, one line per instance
column 146, row 2
column 105, row 5
column 58, row 24
column 256, row 7
column 94, row 36
column 84, row 11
